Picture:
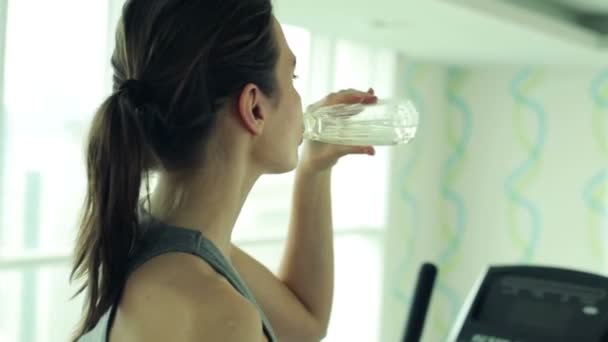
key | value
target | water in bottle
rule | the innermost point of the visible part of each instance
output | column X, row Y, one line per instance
column 383, row 123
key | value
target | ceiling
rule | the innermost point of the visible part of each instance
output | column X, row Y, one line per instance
column 550, row 32
column 589, row 6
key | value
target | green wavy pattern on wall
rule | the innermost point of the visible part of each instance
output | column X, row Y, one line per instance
column 459, row 129
column 527, row 109
column 595, row 191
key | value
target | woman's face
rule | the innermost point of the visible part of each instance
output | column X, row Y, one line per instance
column 284, row 126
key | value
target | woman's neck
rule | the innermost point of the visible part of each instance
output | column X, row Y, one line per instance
column 208, row 200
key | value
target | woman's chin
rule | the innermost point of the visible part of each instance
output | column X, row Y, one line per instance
column 284, row 167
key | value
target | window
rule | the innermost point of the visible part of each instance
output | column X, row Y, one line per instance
column 48, row 102
column 56, row 73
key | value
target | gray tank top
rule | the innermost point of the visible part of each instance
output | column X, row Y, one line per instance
column 160, row 238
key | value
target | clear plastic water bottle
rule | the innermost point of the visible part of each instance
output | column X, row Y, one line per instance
column 387, row 122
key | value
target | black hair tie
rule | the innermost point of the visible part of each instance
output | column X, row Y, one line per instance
column 135, row 90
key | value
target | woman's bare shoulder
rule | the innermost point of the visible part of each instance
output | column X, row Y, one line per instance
column 177, row 297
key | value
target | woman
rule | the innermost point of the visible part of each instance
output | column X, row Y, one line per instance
column 203, row 98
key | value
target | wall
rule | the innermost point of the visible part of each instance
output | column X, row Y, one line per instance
column 510, row 166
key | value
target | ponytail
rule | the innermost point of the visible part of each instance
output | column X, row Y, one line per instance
column 115, row 162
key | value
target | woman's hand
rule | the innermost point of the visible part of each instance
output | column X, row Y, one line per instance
column 317, row 156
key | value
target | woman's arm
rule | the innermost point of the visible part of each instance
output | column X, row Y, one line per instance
column 298, row 301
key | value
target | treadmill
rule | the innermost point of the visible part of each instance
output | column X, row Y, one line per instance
column 516, row 303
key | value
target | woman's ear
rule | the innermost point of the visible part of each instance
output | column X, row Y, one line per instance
column 251, row 111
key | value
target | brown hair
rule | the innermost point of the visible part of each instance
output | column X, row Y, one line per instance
column 175, row 63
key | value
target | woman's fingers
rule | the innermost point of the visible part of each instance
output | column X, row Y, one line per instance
column 346, row 150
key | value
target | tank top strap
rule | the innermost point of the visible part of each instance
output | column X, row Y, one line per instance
column 159, row 238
